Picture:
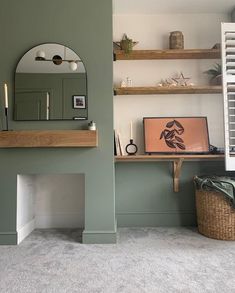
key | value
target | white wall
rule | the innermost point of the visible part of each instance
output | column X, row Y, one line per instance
column 25, row 218
column 60, row 201
column 25, row 200
column 152, row 32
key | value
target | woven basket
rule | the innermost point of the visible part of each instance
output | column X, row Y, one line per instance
column 215, row 215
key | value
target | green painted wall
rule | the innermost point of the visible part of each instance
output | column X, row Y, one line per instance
column 87, row 30
column 145, row 197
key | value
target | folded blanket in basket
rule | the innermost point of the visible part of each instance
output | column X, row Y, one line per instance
column 225, row 185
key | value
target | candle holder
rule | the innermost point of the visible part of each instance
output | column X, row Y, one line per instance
column 131, row 148
column 6, row 118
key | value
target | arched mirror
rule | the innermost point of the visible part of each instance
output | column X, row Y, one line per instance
column 50, row 84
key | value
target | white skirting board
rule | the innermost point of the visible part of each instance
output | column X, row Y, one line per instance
column 24, row 231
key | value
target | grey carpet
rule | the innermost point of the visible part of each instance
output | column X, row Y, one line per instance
column 144, row 260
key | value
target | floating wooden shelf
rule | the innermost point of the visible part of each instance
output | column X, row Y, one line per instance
column 159, row 90
column 176, row 159
column 168, row 54
column 153, row 158
column 48, row 138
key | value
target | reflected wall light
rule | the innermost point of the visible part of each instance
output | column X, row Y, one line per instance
column 57, row 60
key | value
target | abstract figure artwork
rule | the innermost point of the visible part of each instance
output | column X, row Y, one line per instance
column 176, row 135
column 172, row 134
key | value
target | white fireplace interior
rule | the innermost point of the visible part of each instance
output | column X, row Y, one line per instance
column 49, row 201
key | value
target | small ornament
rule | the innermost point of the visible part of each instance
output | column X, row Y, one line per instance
column 181, row 80
column 128, row 82
column 91, row 125
column 126, row 44
column 176, row 40
column 167, row 83
column 131, row 148
column 162, row 83
column 123, row 83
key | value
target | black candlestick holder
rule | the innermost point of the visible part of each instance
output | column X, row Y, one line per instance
column 131, row 148
column 6, row 118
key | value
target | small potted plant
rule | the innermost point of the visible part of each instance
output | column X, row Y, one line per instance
column 215, row 74
column 126, row 44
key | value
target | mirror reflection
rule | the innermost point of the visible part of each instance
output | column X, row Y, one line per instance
column 50, row 84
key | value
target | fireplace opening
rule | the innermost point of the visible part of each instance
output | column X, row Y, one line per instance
column 54, row 201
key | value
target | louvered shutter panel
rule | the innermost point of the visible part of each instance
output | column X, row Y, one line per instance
column 228, row 71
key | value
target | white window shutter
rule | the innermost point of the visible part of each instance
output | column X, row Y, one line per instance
column 228, row 71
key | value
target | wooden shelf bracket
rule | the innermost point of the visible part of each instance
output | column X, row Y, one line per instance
column 177, row 165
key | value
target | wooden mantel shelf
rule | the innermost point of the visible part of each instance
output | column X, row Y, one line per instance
column 48, row 138
column 159, row 90
column 167, row 54
column 176, row 159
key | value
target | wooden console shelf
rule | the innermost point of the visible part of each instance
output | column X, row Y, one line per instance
column 48, row 138
column 176, row 159
column 159, row 90
column 149, row 158
column 167, row 54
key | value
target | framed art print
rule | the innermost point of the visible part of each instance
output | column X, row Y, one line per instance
column 176, row 135
column 79, row 102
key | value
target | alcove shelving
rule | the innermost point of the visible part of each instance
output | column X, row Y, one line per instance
column 176, row 159
column 48, row 138
column 164, row 55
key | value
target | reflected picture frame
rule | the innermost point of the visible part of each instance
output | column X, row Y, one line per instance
column 79, row 102
column 176, row 135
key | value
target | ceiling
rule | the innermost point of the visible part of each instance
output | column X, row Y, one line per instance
column 169, row 6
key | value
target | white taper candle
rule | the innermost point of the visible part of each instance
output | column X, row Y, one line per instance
column 6, row 95
column 131, row 131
